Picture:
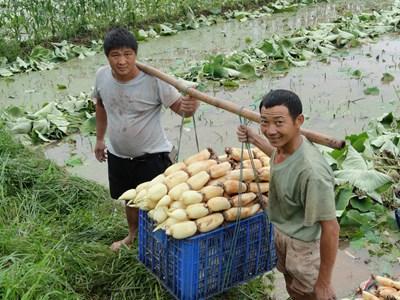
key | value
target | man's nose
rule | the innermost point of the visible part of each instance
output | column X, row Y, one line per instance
column 121, row 60
column 271, row 130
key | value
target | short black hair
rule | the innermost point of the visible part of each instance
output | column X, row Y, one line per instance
column 117, row 38
column 285, row 98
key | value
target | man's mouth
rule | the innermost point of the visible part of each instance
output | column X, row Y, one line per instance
column 122, row 68
column 273, row 139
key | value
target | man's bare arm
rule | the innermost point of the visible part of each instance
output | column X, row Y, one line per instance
column 248, row 135
column 101, row 127
column 185, row 106
column 328, row 250
column 263, row 144
column 101, row 120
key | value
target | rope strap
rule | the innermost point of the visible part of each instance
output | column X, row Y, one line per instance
column 180, row 136
column 237, row 221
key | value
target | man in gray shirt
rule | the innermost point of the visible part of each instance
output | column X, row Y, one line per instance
column 128, row 107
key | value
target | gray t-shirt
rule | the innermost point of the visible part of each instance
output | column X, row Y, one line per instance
column 133, row 112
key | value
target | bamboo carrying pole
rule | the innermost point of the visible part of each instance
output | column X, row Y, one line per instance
column 183, row 86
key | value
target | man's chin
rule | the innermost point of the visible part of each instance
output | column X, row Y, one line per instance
column 274, row 143
column 122, row 72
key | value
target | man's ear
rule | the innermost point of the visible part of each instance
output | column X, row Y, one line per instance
column 299, row 120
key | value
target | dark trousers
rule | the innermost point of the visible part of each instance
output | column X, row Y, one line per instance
column 127, row 173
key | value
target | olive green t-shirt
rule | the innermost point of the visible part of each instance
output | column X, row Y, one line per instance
column 301, row 193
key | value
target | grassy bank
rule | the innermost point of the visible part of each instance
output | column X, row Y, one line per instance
column 55, row 231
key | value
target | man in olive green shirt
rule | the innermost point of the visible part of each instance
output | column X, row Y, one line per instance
column 301, row 198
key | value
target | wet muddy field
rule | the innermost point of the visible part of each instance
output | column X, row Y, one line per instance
column 334, row 101
column 174, row 52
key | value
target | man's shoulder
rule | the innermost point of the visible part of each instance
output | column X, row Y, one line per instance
column 147, row 77
column 313, row 154
column 314, row 161
column 102, row 71
column 150, row 79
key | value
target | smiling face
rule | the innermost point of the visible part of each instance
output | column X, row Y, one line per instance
column 279, row 127
column 123, row 63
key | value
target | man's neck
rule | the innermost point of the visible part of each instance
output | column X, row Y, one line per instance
column 284, row 152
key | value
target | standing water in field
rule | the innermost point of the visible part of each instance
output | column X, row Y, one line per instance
column 175, row 52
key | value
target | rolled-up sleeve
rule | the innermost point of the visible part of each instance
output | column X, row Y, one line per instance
column 168, row 93
column 319, row 200
column 96, row 92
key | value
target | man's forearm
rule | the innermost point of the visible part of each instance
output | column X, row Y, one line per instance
column 101, row 122
column 184, row 110
column 263, row 144
column 328, row 249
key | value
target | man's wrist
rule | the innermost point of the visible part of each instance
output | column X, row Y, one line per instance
column 255, row 140
column 323, row 281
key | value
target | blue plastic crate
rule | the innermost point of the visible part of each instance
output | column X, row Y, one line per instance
column 397, row 215
column 196, row 268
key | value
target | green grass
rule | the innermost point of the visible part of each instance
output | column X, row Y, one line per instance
column 55, row 231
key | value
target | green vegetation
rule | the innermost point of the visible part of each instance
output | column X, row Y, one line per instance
column 54, row 235
column 34, row 36
column 367, row 173
column 54, row 121
column 39, row 21
column 276, row 55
